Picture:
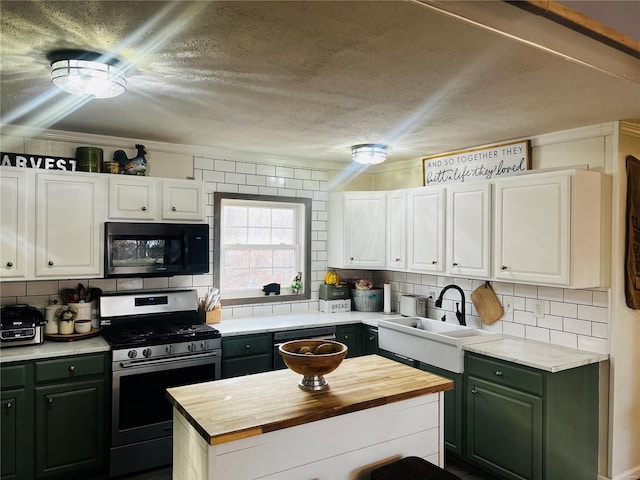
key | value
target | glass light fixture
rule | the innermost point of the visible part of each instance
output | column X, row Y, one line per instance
column 87, row 74
column 369, row 153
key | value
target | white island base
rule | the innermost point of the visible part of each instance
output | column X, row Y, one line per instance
column 347, row 446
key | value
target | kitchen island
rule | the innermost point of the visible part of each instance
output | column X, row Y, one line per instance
column 263, row 426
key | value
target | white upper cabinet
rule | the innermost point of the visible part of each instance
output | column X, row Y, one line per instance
column 70, row 214
column 548, row 229
column 468, row 230
column 396, row 230
column 16, row 222
column 132, row 197
column 182, row 200
column 425, row 229
column 357, row 226
column 154, row 199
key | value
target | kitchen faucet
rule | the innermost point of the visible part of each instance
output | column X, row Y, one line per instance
column 459, row 315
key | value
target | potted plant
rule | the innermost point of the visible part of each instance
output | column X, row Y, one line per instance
column 66, row 316
column 296, row 284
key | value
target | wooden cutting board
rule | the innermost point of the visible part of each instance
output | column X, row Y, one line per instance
column 487, row 304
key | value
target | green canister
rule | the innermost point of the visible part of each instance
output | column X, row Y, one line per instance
column 88, row 159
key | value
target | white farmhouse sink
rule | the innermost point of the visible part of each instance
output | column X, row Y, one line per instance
column 430, row 341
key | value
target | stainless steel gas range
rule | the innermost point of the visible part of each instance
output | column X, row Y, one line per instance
column 157, row 342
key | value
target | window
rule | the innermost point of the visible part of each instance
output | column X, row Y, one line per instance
column 259, row 240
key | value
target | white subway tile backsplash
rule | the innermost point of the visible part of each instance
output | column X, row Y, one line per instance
column 592, row 344
column 225, row 165
column 248, row 189
column 293, row 184
column 525, row 290
column 284, row 172
column 275, row 182
column 595, row 314
column 515, row 329
column 502, row 288
column 600, row 330
column 248, row 168
column 49, row 287
column 565, row 339
column 525, row 318
column 551, row 322
column 584, row 297
column 601, row 299
column 564, row 309
column 551, row 293
column 235, row 178
column 537, row 334
column 574, row 325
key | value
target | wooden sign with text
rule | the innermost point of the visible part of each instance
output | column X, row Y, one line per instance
column 24, row 160
column 476, row 164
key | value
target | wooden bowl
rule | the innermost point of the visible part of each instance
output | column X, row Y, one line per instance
column 312, row 366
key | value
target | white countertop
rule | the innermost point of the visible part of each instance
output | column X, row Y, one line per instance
column 50, row 349
column 275, row 323
column 543, row 356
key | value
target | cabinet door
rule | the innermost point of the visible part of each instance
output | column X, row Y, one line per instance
column 425, row 229
column 16, row 218
column 504, row 430
column 365, row 229
column 370, row 341
column 132, row 198
column 69, row 221
column 350, row 336
column 532, row 229
column 70, row 427
column 182, row 200
column 468, row 230
column 17, row 440
column 396, row 231
column 452, row 408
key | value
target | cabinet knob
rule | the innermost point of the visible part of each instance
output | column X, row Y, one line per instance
column 144, row 209
column 350, row 258
column 174, row 209
column 455, row 264
column 503, row 267
column 371, row 338
column 247, row 346
column 346, row 337
column 498, row 373
column 9, row 405
column 433, row 262
column 474, row 391
column 72, row 368
column 49, row 400
column 397, row 259
column 51, row 263
column 9, row 264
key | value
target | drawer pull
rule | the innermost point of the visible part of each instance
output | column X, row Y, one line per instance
column 49, row 400
column 350, row 258
column 144, row 209
column 51, row 263
column 174, row 209
column 499, row 373
column 474, row 391
column 9, row 264
column 455, row 264
column 397, row 259
column 503, row 267
column 433, row 262
column 72, row 368
column 9, row 405
column 346, row 337
column 247, row 346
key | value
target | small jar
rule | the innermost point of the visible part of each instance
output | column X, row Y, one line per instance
column 65, row 327
column 82, row 326
column 51, row 323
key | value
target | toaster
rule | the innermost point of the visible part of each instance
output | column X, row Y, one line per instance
column 21, row 325
column 413, row 306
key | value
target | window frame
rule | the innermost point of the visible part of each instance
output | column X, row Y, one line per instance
column 218, row 197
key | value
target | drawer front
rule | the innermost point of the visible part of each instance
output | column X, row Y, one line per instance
column 69, row 368
column 246, row 345
column 13, row 377
column 503, row 373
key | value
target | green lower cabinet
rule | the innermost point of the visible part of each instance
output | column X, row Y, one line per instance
column 246, row 354
column 453, row 423
column 528, row 424
column 351, row 336
column 70, row 429
column 16, row 422
column 369, row 337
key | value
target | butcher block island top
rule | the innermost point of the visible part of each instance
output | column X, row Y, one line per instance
column 236, row 408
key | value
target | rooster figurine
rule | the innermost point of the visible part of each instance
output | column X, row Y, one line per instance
column 132, row 166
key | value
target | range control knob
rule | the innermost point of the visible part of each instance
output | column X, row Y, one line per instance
column 192, row 347
column 203, row 345
column 169, row 349
column 146, row 352
column 132, row 354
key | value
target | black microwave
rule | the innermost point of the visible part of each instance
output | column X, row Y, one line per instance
column 155, row 249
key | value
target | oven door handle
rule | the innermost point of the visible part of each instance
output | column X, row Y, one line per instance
column 327, row 337
column 160, row 361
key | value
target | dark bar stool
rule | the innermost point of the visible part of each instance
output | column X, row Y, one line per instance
column 412, row 468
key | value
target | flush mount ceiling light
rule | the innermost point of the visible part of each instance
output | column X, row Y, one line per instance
column 369, row 153
column 87, row 74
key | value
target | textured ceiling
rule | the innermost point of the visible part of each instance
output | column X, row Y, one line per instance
column 307, row 79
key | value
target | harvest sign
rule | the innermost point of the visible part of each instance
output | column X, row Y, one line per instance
column 37, row 161
column 477, row 164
